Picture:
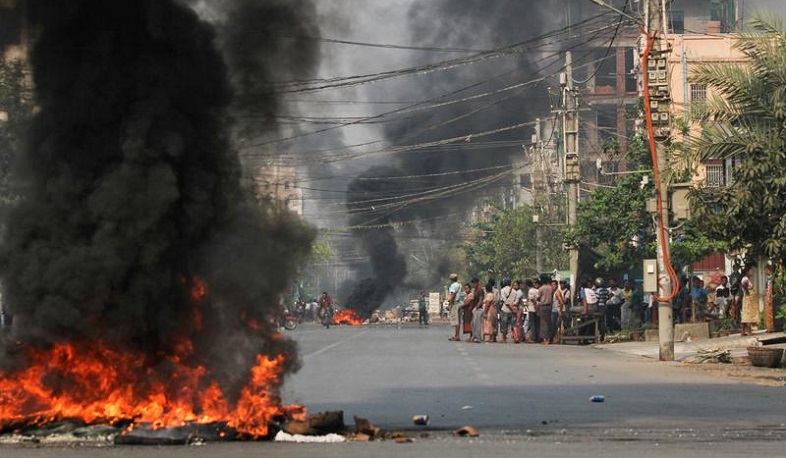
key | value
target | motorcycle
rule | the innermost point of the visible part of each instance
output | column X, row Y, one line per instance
column 288, row 321
column 326, row 316
column 300, row 311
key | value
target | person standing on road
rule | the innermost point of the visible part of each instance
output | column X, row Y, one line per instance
column 508, row 298
column 518, row 311
column 423, row 309
column 473, row 324
column 545, row 300
column 454, row 306
column 557, row 308
column 531, row 323
column 489, row 311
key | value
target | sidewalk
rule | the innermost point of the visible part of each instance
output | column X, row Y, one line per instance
column 736, row 343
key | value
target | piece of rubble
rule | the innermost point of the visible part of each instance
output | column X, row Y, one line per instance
column 328, row 422
column 364, row 426
column 403, row 440
column 467, row 431
column 360, row 437
column 298, row 427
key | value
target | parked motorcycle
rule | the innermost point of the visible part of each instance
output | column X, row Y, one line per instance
column 300, row 311
column 288, row 321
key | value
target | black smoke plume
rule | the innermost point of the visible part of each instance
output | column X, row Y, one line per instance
column 388, row 266
column 468, row 24
column 133, row 194
column 267, row 43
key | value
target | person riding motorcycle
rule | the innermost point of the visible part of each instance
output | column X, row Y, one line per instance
column 325, row 311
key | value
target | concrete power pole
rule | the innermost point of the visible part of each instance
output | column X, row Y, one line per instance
column 570, row 125
column 658, row 93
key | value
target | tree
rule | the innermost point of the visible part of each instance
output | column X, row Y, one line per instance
column 614, row 222
column 507, row 242
column 746, row 121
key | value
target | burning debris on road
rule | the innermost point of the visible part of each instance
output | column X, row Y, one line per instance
column 349, row 317
column 141, row 275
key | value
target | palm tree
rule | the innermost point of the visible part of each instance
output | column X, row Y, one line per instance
column 746, row 122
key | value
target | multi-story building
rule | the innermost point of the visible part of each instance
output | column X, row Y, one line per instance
column 279, row 184
column 700, row 32
column 689, row 99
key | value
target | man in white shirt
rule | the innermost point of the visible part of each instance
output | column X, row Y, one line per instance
column 508, row 299
column 455, row 307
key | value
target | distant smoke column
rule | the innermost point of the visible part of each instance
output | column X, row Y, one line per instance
column 476, row 24
column 389, row 268
column 132, row 192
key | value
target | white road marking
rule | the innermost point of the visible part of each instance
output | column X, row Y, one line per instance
column 334, row 345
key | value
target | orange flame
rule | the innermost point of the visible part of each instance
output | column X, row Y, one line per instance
column 348, row 316
column 95, row 383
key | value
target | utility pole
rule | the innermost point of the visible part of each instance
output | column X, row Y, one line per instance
column 657, row 91
column 570, row 126
column 539, row 179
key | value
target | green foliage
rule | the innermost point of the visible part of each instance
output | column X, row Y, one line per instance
column 508, row 242
column 749, row 126
column 638, row 152
column 612, row 219
column 692, row 244
column 321, row 251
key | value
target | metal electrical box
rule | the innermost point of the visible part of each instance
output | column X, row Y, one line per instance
column 650, row 276
column 572, row 168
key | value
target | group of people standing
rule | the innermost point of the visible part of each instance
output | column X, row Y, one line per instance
column 528, row 311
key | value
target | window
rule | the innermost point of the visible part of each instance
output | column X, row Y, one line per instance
column 698, row 101
column 677, row 22
column 715, row 175
column 715, row 10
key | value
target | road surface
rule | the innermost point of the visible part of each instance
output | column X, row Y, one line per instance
column 523, row 398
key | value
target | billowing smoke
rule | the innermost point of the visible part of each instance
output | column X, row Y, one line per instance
column 378, row 240
column 439, row 193
column 132, row 190
column 267, row 43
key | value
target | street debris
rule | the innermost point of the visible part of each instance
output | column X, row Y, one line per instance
column 713, row 355
column 364, row 427
column 328, row 422
column 467, row 431
column 401, row 438
column 467, row 408
column 332, row 438
column 598, row 398
column 420, row 420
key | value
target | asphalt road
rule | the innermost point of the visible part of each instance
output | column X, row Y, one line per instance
column 389, row 374
column 523, row 398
